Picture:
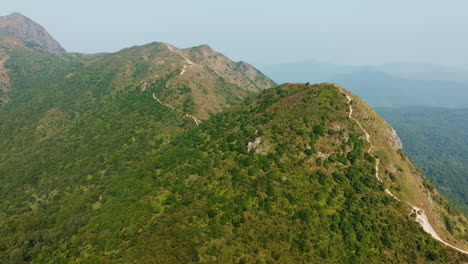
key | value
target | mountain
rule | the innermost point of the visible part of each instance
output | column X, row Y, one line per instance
column 382, row 86
column 30, row 33
column 437, row 140
column 155, row 154
column 196, row 80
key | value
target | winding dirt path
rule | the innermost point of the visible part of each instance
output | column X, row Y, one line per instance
column 183, row 70
column 180, row 53
column 421, row 217
column 177, row 110
column 189, row 62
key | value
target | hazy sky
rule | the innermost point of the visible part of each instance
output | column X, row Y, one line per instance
column 260, row 31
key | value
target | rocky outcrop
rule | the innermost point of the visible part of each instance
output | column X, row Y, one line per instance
column 393, row 139
column 259, row 148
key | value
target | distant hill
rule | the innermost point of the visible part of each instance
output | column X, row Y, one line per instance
column 424, row 71
column 385, row 85
column 29, row 32
column 381, row 89
column 437, row 140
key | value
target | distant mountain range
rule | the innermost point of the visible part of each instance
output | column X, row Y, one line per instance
column 399, row 84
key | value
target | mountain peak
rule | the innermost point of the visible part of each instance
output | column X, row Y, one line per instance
column 20, row 27
column 16, row 15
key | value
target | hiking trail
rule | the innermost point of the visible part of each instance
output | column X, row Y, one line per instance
column 421, row 217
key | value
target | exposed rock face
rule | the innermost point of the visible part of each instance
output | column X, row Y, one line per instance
column 32, row 34
column 253, row 145
column 394, row 140
column 260, row 149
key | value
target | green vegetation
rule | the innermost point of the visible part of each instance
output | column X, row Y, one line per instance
column 112, row 176
column 75, row 122
column 100, row 164
column 436, row 139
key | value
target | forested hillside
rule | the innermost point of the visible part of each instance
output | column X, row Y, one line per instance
column 155, row 154
column 70, row 122
column 283, row 177
column 437, row 140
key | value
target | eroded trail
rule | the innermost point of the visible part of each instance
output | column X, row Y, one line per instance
column 180, row 53
column 173, row 108
column 421, row 217
column 183, row 70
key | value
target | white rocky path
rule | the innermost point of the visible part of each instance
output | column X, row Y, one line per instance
column 180, row 53
column 421, row 217
column 184, row 68
column 173, row 108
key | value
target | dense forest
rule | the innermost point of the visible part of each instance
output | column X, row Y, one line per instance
column 437, row 140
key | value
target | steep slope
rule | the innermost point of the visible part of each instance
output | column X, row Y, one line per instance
column 207, row 81
column 406, row 182
column 436, row 139
column 70, row 123
column 17, row 31
column 30, row 33
column 418, row 213
column 287, row 176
